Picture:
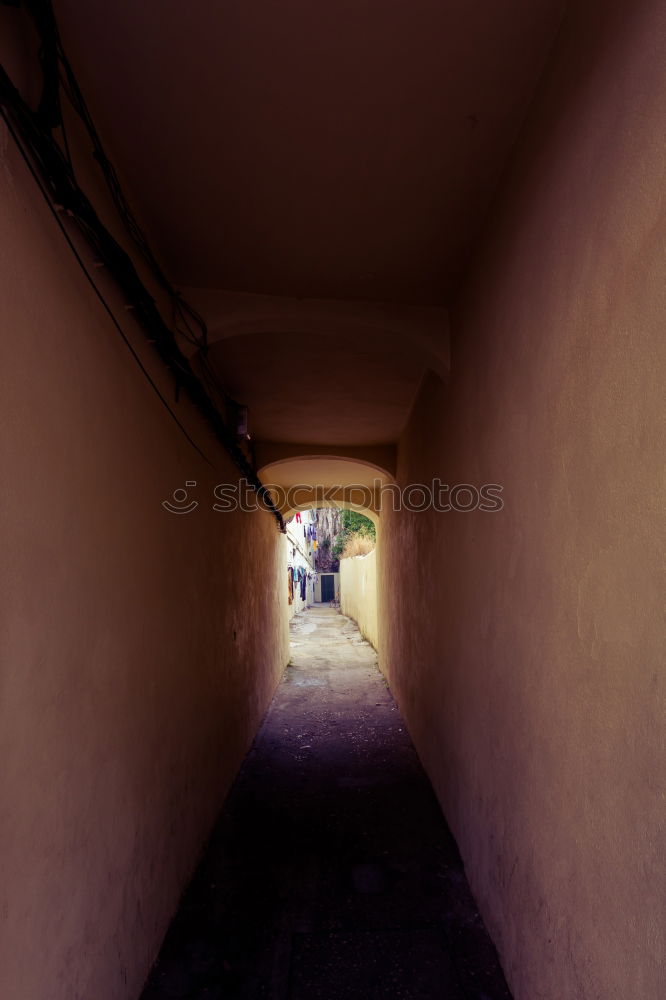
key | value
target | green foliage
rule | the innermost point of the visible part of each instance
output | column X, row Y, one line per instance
column 352, row 523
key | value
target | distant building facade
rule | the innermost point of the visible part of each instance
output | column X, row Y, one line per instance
column 301, row 542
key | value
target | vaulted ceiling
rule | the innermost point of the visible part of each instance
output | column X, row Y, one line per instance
column 343, row 153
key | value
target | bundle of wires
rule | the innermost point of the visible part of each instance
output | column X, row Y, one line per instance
column 51, row 165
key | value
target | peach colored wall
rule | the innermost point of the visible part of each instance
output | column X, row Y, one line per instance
column 358, row 593
column 139, row 648
column 533, row 683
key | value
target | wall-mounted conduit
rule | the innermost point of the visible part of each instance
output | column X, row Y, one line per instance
column 52, row 168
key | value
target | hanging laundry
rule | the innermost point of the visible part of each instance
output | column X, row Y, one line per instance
column 290, row 584
column 314, row 546
column 298, row 517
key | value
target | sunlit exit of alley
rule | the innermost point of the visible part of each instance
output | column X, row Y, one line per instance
column 332, row 384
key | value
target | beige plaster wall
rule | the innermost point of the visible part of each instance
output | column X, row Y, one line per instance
column 139, row 648
column 358, row 593
column 533, row 683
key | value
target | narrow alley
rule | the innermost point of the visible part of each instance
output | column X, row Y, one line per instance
column 328, row 329
column 331, row 874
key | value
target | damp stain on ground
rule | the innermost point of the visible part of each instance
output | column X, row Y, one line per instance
column 331, row 873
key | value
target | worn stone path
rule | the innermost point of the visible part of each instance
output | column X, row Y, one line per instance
column 331, row 874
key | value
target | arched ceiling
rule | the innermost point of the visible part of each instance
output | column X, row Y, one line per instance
column 316, row 175
column 325, row 481
column 323, row 371
column 323, row 391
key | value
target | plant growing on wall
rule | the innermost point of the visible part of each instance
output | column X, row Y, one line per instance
column 358, row 535
column 325, row 562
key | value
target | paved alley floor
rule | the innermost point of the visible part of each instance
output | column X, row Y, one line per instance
column 331, row 874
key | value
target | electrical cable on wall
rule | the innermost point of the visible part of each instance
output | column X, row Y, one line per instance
column 53, row 171
column 107, row 307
